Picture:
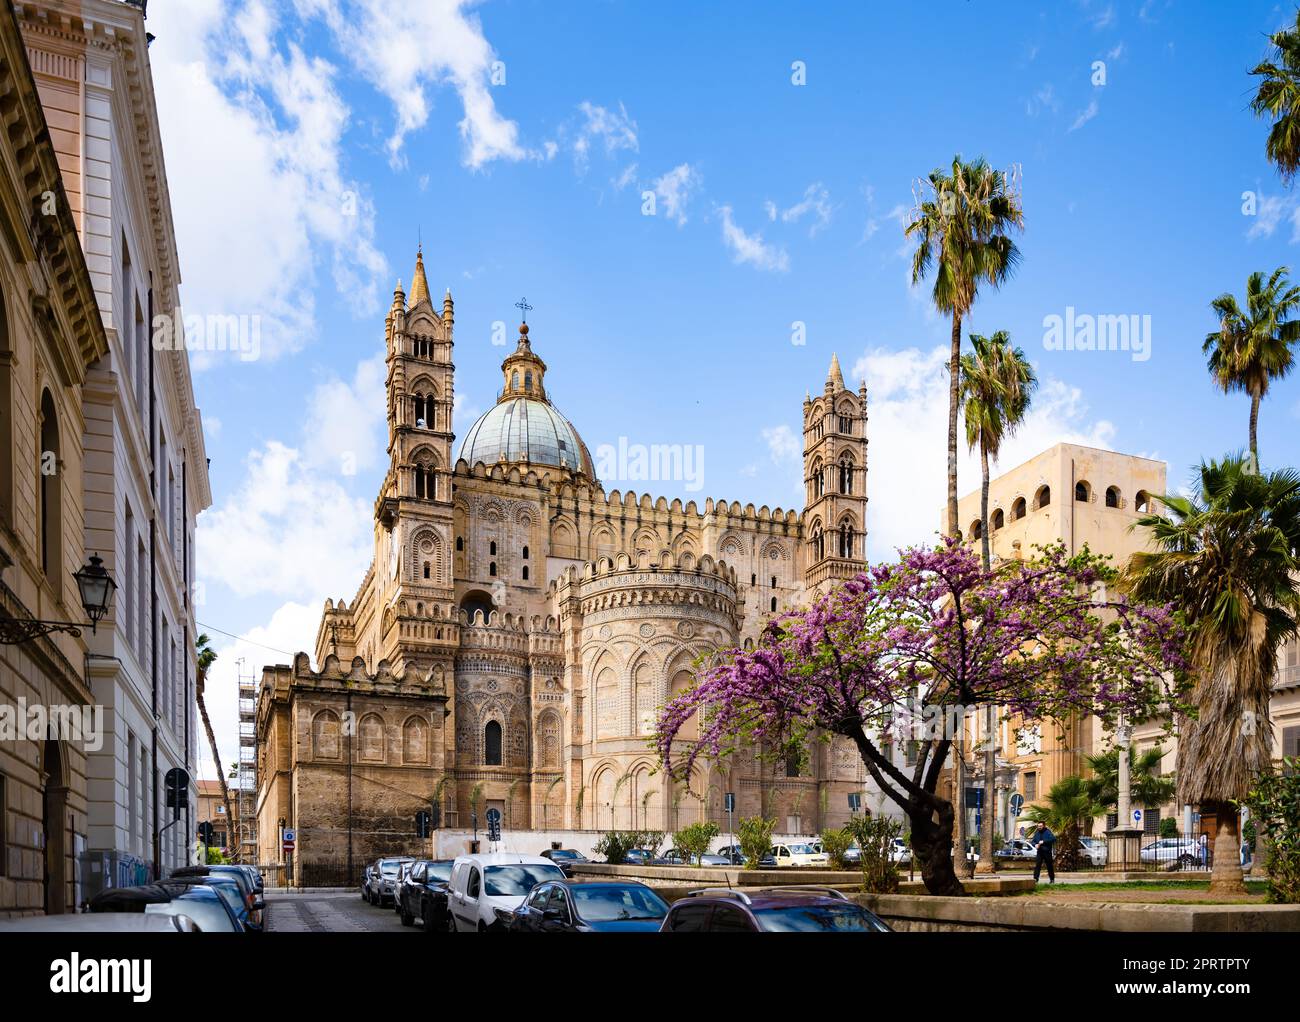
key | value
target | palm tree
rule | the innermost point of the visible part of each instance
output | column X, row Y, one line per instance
column 1068, row 804
column 1252, row 348
column 206, row 658
column 996, row 383
column 1147, row 786
column 962, row 234
column 1227, row 558
column 1278, row 97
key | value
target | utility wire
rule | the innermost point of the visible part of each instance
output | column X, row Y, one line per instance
column 241, row 638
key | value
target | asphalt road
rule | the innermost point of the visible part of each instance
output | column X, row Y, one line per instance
column 329, row 912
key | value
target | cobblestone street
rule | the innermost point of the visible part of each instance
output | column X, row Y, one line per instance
column 328, row 912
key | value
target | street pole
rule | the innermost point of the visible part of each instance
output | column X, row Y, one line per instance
column 988, row 813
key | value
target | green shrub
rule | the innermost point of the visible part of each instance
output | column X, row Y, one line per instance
column 615, row 844
column 836, row 843
column 694, row 840
column 1275, row 807
column 875, row 836
column 754, row 835
column 1168, row 827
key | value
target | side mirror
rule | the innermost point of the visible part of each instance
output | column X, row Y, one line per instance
column 551, row 914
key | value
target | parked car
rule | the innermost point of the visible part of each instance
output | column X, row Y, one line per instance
column 403, row 870
column 247, row 893
column 714, row 859
column 204, row 905
column 770, row 910
column 249, row 915
column 900, row 853
column 638, row 857
column 100, row 922
column 383, row 881
column 211, row 910
column 1093, row 851
column 1183, row 851
column 423, row 895
column 733, row 855
column 798, row 855
column 672, row 857
column 1016, row 849
column 485, row 890
column 564, row 858
column 369, row 880
column 590, row 906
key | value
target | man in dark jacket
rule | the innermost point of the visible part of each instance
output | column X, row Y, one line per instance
column 1045, row 841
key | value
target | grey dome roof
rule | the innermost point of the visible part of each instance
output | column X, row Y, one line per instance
column 526, row 429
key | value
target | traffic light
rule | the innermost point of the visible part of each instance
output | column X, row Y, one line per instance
column 206, row 832
column 177, row 785
column 422, row 822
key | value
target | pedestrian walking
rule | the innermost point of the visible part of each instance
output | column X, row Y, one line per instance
column 1045, row 841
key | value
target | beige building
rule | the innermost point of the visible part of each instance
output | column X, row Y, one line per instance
column 50, row 333
column 521, row 624
column 212, row 809
column 1078, row 496
column 146, row 475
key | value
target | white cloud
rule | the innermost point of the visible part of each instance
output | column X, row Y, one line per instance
column 1116, row 51
column 816, row 200
column 627, row 177
column 211, row 426
column 750, row 248
column 785, row 449
column 909, row 426
column 292, row 628
column 1085, row 115
column 254, row 158
column 1104, row 18
column 673, row 191
column 1272, row 210
column 344, row 429
column 408, row 50
column 463, row 415
column 285, row 531
column 613, row 131
column 1044, row 99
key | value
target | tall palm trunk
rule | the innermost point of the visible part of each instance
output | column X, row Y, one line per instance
column 988, row 814
column 954, row 398
column 985, row 552
column 231, row 822
column 1254, row 428
column 1225, row 873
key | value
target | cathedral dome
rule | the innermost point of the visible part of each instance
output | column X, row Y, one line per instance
column 526, row 429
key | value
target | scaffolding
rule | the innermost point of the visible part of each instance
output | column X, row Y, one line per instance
column 246, row 771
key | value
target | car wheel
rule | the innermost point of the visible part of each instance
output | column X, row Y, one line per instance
column 407, row 919
column 1186, row 861
column 481, row 927
column 428, row 919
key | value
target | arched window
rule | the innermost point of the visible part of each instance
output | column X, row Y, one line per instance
column 1018, row 509
column 51, row 494
column 525, row 553
column 528, row 381
column 846, row 539
column 492, row 548
column 846, row 475
column 818, row 542
column 996, row 520
column 818, row 480
column 460, row 544
column 514, row 380
column 846, row 425
column 1043, row 497
column 426, row 569
column 424, row 483
column 753, row 579
column 1082, row 491
column 525, row 573
column 1112, row 496
column 421, row 411
column 773, row 581
column 492, row 744
column 773, row 604
column 976, row 529
column 1143, row 502
column 492, row 569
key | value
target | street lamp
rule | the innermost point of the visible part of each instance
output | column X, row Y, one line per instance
column 96, row 588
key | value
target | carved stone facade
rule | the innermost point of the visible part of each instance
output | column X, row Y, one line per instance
column 534, row 624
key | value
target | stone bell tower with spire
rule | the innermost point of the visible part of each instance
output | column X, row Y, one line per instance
column 835, row 473
column 413, row 513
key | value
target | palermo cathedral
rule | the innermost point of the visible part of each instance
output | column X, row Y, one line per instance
column 521, row 625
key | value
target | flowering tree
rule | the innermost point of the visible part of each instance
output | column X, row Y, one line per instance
column 1041, row 638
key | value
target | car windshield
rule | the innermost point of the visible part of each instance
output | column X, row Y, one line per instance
column 817, row 919
column 800, row 849
column 438, row 871
column 516, row 881
column 389, row 869
column 229, row 893
column 565, row 853
column 601, row 904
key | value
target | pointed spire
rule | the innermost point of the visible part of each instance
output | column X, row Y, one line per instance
column 834, row 376
column 419, row 284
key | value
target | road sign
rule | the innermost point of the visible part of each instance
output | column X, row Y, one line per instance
column 730, row 801
column 1137, row 815
column 288, row 839
column 1017, row 803
column 494, row 824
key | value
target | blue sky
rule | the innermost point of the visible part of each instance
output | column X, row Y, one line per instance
column 310, row 143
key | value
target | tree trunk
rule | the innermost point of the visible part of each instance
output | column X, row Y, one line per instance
column 954, row 371
column 933, row 847
column 231, row 823
column 1225, row 874
column 985, row 552
column 1254, row 427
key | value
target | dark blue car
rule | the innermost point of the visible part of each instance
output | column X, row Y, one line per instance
column 590, row 906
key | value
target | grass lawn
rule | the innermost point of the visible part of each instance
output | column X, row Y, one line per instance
column 1151, row 892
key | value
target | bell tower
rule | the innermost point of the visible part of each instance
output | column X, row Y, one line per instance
column 413, row 513
column 835, row 473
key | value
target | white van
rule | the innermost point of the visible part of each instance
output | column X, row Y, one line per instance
column 485, row 890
